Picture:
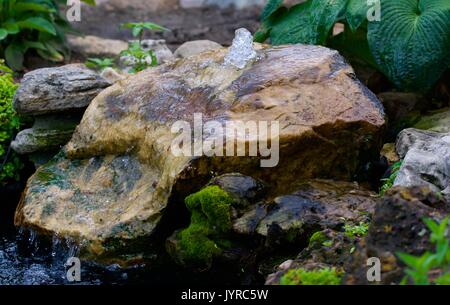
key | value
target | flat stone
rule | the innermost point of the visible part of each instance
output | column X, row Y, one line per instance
column 93, row 46
column 60, row 89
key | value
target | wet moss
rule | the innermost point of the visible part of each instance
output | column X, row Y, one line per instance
column 210, row 221
column 325, row 276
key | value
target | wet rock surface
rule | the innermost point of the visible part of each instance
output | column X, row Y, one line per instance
column 195, row 47
column 113, row 182
column 316, row 205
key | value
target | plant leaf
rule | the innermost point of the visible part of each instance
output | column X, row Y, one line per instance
column 411, row 43
column 38, row 23
column 309, row 22
column 271, row 7
column 14, row 56
column 356, row 13
column 3, row 34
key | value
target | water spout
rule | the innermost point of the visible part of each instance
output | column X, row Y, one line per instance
column 241, row 51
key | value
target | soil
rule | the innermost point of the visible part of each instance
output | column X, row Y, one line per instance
column 210, row 23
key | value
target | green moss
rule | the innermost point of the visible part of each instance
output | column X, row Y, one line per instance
column 210, row 221
column 325, row 276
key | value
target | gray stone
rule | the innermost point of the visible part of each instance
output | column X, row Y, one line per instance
column 239, row 4
column 93, row 46
column 194, row 47
column 51, row 90
column 426, row 159
column 48, row 133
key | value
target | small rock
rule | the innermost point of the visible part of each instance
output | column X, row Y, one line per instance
column 399, row 104
column 438, row 121
column 388, row 151
column 60, row 89
column 112, row 75
column 195, row 47
column 93, row 46
column 426, row 157
column 48, row 132
column 239, row 4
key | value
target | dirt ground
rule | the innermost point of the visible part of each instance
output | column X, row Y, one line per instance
column 186, row 24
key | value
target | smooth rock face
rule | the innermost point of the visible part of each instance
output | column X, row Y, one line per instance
column 118, row 173
column 48, row 132
column 426, row 161
column 397, row 226
column 93, row 46
column 316, row 205
column 51, row 90
column 195, row 47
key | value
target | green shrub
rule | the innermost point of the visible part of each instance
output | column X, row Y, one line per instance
column 9, row 124
column 430, row 267
column 325, row 276
column 32, row 24
column 359, row 230
column 135, row 51
column 410, row 44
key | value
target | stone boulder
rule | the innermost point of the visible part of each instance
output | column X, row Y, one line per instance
column 113, row 181
column 51, row 90
column 426, row 159
column 438, row 121
column 195, row 47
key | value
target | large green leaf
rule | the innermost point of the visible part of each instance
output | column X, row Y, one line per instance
column 309, row 22
column 271, row 7
column 356, row 13
column 14, row 56
column 411, row 43
column 3, row 34
column 38, row 23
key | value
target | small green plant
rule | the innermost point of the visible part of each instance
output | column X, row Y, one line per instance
column 9, row 123
column 389, row 182
column 410, row 43
column 359, row 230
column 139, row 57
column 325, row 276
column 99, row 63
column 420, row 268
column 32, row 25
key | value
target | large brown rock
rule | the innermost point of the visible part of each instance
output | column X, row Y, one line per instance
column 116, row 176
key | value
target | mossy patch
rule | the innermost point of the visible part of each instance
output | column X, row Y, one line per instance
column 210, row 222
column 300, row 276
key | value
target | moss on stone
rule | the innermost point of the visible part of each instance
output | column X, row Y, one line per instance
column 300, row 276
column 210, row 220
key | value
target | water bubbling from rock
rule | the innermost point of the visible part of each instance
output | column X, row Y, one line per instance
column 241, row 51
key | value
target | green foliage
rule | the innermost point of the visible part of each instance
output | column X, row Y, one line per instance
column 421, row 268
column 9, row 123
column 410, row 44
column 32, row 25
column 318, row 238
column 325, row 276
column 210, row 219
column 359, row 230
column 389, row 182
column 141, row 58
column 99, row 63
